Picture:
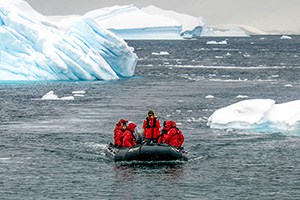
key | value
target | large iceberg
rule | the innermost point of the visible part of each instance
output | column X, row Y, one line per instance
column 129, row 22
column 132, row 23
column 259, row 115
column 33, row 48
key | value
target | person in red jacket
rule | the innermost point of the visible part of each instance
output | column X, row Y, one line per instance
column 129, row 139
column 151, row 127
column 164, row 131
column 174, row 136
column 120, row 128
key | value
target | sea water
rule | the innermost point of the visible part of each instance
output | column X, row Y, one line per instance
column 54, row 149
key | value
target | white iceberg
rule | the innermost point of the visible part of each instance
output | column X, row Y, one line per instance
column 33, row 48
column 285, row 37
column 132, row 23
column 241, row 96
column 191, row 27
column 160, row 53
column 129, row 22
column 231, row 30
column 258, row 114
column 216, row 42
column 52, row 96
column 79, row 92
column 209, row 97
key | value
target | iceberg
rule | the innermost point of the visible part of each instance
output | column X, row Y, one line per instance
column 132, row 23
column 285, row 37
column 258, row 115
column 129, row 22
column 52, row 96
column 191, row 27
column 32, row 47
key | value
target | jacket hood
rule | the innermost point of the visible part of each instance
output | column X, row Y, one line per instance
column 121, row 122
column 169, row 125
column 131, row 126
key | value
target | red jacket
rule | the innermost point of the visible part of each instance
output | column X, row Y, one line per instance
column 151, row 128
column 118, row 136
column 174, row 136
column 119, row 133
column 129, row 139
column 164, row 131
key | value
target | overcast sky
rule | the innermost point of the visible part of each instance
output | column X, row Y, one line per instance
column 268, row 15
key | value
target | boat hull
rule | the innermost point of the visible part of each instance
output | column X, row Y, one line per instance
column 146, row 152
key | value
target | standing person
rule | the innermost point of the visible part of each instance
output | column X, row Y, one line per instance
column 129, row 139
column 151, row 127
column 120, row 128
column 174, row 136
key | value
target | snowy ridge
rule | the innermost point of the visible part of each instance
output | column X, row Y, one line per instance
column 258, row 114
column 34, row 50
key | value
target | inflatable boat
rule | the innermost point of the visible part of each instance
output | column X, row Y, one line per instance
column 146, row 152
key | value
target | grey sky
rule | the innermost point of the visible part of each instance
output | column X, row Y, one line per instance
column 268, row 15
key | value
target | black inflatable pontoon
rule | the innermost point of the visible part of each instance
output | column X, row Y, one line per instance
column 146, row 152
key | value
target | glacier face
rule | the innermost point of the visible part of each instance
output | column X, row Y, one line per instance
column 35, row 49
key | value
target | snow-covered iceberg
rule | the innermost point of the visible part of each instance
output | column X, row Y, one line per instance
column 132, row 23
column 129, row 22
column 33, row 48
column 258, row 115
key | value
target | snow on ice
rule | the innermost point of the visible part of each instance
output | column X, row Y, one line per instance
column 258, row 114
column 33, row 48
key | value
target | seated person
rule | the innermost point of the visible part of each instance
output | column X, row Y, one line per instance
column 129, row 139
column 164, row 131
column 172, row 135
column 120, row 128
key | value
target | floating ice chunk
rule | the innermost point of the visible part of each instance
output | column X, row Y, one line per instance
column 209, row 97
column 258, row 114
column 79, row 92
column 242, row 114
column 285, row 37
column 50, row 96
column 78, row 95
column 216, row 42
column 67, row 98
column 160, row 53
column 241, row 96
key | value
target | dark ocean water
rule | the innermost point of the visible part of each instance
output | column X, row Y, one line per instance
column 55, row 149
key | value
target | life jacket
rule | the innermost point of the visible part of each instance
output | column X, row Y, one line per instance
column 176, row 138
column 148, row 122
column 151, row 128
column 118, row 137
column 164, row 131
column 119, row 133
column 129, row 139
